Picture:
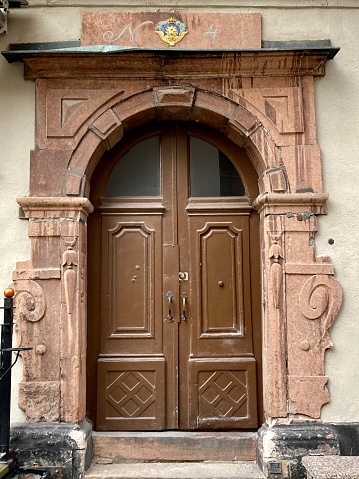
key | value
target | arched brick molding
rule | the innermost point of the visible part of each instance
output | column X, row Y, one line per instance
column 78, row 119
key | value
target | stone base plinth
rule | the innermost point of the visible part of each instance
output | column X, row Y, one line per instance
column 63, row 445
column 280, row 449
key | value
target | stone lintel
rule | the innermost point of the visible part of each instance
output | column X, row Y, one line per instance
column 306, row 204
column 171, row 64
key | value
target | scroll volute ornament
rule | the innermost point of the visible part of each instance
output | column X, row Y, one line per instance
column 29, row 307
column 29, row 301
column 320, row 298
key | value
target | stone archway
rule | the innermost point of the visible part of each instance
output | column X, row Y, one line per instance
column 86, row 112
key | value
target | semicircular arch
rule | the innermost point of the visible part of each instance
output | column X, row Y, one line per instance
column 202, row 107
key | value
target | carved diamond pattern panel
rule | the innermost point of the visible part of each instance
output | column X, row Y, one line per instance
column 131, row 393
column 223, row 393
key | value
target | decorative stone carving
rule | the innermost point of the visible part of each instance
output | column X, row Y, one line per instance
column 66, row 111
column 109, row 128
column 69, row 261
column 273, row 180
column 30, row 303
column 282, row 106
column 40, row 349
column 276, row 271
column 174, row 103
column 174, row 96
column 320, row 299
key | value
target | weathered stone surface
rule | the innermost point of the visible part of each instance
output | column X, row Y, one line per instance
column 174, row 103
column 205, row 30
column 40, row 400
column 66, row 446
column 176, row 66
column 303, row 167
column 285, row 445
column 175, row 446
column 108, row 127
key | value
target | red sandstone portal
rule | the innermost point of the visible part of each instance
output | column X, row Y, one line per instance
column 86, row 103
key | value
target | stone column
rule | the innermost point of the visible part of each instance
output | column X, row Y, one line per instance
column 50, row 314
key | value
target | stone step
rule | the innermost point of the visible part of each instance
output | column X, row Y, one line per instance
column 331, row 467
column 175, row 470
column 174, row 446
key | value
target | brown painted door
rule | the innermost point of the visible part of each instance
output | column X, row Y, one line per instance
column 176, row 341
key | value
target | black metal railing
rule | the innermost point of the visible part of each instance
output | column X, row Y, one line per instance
column 6, row 364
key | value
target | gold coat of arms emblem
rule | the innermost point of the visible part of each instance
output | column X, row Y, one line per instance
column 171, row 31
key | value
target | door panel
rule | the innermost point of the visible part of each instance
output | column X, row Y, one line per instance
column 176, row 341
column 132, row 394
column 220, row 285
column 219, row 256
column 131, row 279
column 220, row 359
column 222, row 393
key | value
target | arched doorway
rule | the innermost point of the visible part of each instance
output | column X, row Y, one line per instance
column 174, row 335
column 263, row 101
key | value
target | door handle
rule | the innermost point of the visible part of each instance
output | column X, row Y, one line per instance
column 169, row 299
column 184, row 297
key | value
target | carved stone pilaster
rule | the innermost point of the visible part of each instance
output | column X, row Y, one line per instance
column 302, row 299
column 47, row 291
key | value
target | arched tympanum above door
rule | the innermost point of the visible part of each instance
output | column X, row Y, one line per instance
column 174, row 329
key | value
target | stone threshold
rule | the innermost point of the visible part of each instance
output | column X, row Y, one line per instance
column 172, row 446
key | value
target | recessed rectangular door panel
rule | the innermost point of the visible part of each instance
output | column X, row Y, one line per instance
column 221, row 278
column 131, row 394
column 131, row 284
column 220, row 289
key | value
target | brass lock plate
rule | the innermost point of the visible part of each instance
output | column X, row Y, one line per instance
column 183, row 276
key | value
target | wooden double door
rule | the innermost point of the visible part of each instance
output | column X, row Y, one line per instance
column 173, row 339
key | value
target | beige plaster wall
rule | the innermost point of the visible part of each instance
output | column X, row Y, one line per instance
column 337, row 120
